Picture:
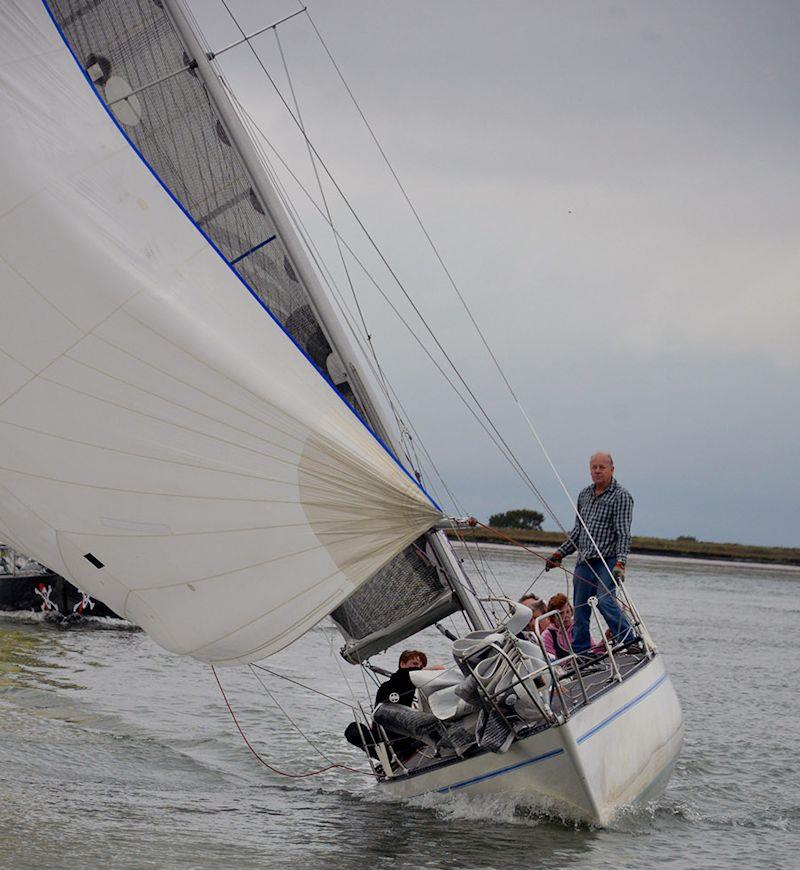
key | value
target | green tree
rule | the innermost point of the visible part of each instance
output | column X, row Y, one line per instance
column 520, row 518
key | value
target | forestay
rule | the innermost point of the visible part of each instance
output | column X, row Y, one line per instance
column 164, row 443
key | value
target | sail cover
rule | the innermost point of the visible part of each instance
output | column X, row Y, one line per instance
column 163, row 442
column 405, row 596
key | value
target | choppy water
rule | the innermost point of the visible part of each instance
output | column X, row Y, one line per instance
column 115, row 753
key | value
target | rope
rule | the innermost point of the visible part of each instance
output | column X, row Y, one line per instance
column 533, row 583
column 566, row 571
column 285, row 712
column 263, row 761
column 302, row 685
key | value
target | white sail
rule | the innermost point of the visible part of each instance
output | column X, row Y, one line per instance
column 163, row 443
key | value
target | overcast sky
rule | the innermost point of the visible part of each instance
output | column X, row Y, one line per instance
column 615, row 189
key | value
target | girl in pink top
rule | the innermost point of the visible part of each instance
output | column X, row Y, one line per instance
column 556, row 645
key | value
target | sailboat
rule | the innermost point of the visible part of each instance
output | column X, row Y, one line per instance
column 28, row 587
column 189, row 433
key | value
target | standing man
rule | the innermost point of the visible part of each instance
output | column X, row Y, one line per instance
column 606, row 509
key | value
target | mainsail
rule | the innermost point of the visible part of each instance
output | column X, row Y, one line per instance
column 164, row 443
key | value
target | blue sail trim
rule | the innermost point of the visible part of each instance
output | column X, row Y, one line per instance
column 224, row 259
column 252, row 250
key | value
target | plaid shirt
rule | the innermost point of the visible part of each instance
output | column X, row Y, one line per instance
column 608, row 517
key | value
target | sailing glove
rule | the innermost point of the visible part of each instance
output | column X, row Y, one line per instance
column 553, row 561
column 619, row 572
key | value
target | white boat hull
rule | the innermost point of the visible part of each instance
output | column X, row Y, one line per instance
column 616, row 751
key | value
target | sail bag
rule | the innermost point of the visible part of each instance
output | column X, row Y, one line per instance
column 164, row 443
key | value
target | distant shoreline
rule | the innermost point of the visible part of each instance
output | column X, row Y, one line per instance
column 650, row 546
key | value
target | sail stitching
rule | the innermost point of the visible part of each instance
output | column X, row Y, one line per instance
column 199, row 389
column 287, row 630
column 240, row 278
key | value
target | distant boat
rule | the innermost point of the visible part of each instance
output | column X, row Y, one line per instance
column 189, row 432
column 25, row 585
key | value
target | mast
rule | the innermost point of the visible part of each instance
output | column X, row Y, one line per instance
column 335, row 333
column 451, row 564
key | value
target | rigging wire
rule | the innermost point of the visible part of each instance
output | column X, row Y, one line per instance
column 325, row 273
column 454, row 285
column 508, row 453
column 307, row 238
column 406, row 197
column 393, row 274
column 328, row 215
column 329, row 219
column 340, row 302
column 301, row 685
column 348, row 318
column 289, row 718
column 486, row 423
column 481, row 570
column 263, row 761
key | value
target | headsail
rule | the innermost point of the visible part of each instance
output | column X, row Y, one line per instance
column 164, row 443
column 220, row 180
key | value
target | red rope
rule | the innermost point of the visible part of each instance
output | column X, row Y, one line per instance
column 266, row 763
column 516, row 543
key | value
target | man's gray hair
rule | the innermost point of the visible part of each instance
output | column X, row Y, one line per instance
column 602, row 453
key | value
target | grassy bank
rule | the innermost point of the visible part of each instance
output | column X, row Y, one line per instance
column 657, row 546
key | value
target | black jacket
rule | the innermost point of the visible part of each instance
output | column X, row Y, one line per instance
column 398, row 689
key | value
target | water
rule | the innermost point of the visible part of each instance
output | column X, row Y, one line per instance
column 115, row 753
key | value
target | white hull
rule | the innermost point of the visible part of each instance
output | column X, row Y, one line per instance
column 616, row 751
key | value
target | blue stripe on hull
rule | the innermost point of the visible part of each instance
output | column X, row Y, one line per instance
column 493, row 773
column 632, row 703
column 553, row 753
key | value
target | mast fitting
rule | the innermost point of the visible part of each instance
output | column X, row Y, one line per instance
column 212, row 54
